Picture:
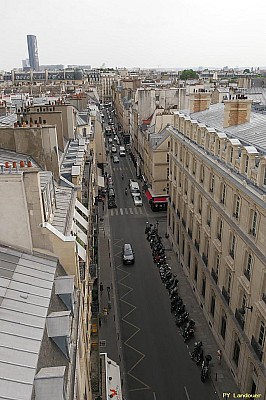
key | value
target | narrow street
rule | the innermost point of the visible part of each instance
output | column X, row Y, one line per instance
column 157, row 362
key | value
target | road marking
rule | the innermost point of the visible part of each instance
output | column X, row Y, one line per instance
column 188, row 398
column 154, row 395
column 112, row 212
column 130, row 210
column 126, row 211
column 141, row 211
column 121, row 211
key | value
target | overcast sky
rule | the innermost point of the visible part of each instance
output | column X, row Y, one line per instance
column 139, row 33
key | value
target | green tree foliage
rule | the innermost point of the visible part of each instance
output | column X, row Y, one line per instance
column 246, row 71
column 188, row 74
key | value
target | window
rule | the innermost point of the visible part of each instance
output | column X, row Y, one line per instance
column 264, row 180
column 232, row 245
column 200, row 204
column 261, row 338
column 236, row 207
column 254, row 222
column 246, row 164
column 212, row 183
column 212, row 308
column 187, row 159
column 228, row 282
column 203, row 286
column 231, row 154
column 209, row 215
column 185, row 186
column 223, row 193
column 196, row 271
column 202, row 173
column 219, row 229
column 248, row 266
column 167, row 157
column 192, row 194
column 217, row 263
column 223, row 325
column 189, row 258
column 236, row 351
column 194, row 167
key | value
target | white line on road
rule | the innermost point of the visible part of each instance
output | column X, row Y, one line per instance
column 121, row 211
column 188, row 398
column 154, row 396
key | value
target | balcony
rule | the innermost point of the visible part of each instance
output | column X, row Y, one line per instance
column 178, row 213
column 189, row 231
column 205, row 259
column 257, row 348
column 196, row 245
column 183, row 222
column 226, row 295
column 214, row 276
column 240, row 318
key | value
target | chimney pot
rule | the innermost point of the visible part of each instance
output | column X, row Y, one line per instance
column 22, row 164
column 14, row 164
column 6, row 164
column 29, row 164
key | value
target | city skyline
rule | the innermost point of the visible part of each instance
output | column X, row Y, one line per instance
column 174, row 35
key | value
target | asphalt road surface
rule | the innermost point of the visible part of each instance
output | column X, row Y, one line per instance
column 156, row 360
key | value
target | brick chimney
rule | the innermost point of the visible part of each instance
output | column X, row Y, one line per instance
column 199, row 101
column 237, row 110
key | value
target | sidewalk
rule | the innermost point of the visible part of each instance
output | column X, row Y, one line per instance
column 220, row 374
column 108, row 334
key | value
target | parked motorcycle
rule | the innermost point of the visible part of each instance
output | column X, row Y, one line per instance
column 197, row 353
column 180, row 310
column 205, row 368
column 188, row 331
column 182, row 318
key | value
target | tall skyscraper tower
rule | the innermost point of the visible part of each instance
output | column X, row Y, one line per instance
column 33, row 52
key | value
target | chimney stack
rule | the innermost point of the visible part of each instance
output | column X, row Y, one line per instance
column 237, row 110
column 199, row 101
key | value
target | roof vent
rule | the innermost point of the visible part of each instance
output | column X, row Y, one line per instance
column 58, row 328
column 64, row 288
column 49, row 383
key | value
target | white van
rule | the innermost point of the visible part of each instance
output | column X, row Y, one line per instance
column 122, row 151
column 134, row 187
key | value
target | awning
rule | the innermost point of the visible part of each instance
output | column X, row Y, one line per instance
column 148, row 195
column 101, row 181
column 163, row 199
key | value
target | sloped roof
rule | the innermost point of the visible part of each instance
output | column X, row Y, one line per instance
column 26, row 283
column 252, row 133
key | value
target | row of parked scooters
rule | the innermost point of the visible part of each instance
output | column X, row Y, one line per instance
column 178, row 308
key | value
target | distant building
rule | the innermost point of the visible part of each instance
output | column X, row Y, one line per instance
column 33, row 52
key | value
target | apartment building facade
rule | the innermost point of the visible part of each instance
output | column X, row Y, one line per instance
column 52, row 210
column 216, row 224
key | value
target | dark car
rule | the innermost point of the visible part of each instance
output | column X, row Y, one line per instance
column 128, row 256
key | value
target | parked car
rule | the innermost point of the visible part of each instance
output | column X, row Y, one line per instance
column 128, row 256
column 116, row 159
column 137, row 201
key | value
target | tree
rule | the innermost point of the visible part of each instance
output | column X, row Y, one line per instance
column 246, row 71
column 188, row 74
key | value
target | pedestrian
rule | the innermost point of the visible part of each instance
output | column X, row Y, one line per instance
column 103, row 204
column 108, row 291
column 101, row 288
column 105, row 313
